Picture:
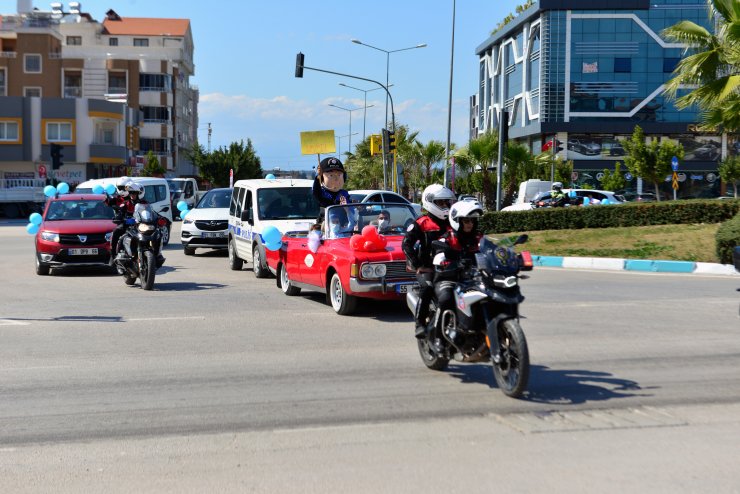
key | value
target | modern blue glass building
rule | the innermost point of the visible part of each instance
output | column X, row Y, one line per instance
column 586, row 72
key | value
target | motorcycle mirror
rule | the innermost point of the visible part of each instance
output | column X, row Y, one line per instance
column 522, row 238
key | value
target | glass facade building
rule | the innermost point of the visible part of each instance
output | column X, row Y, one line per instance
column 586, row 73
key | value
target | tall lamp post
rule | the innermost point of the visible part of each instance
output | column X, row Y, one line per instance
column 387, row 68
column 364, row 117
column 339, row 138
column 449, row 99
column 350, row 110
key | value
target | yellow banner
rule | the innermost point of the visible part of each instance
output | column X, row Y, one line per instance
column 318, row 142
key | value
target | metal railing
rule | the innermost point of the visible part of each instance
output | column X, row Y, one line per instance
column 73, row 92
column 8, row 54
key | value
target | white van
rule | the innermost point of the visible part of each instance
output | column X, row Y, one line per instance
column 286, row 204
column 156, row 193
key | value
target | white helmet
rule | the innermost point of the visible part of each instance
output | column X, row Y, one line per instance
column 121, row 184
column 133, row 187
column 557, row 185
column 464, row 209
column 434, row 193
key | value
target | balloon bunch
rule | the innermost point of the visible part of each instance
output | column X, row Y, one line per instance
column 272, row 238
column 109, row 189
column 368, row 241
column 35, row 219
column 182, row 206
column 269, row 176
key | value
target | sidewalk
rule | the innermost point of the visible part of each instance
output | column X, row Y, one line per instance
column 611, row 264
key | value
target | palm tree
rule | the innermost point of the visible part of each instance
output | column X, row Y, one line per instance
column 477, row 157
column 431, row 153
column 713, row 65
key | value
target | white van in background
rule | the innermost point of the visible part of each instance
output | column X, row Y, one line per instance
column 286, row 204
column 527, row 192
column 156, row 193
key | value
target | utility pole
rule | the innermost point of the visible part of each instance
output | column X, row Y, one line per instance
column 209, row 137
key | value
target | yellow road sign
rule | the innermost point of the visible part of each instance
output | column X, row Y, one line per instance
column 674, row 184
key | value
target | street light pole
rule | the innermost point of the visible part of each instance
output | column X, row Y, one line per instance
column 364, row 117
column 350, row 110
column 449, row 100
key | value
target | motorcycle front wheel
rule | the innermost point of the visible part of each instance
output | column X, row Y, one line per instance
column 512, row 372
column 148, row 270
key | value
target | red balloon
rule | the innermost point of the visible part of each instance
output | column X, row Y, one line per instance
column 356, row 242
column 382, row 242
column 369, row 246
column 370, row 232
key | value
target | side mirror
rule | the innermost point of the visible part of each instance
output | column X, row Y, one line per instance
column 522, row 239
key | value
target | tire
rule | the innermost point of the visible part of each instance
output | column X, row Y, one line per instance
column 166, row 234
column 429, row 356
column 41, row 268
column 235, row 264
column 342, row 303
column 188, row 251
column 285, row 285
column 512, row 373
column 259, row 270
column 148, row 270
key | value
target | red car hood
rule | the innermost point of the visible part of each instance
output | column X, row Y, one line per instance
column 78, row 226
column 392, row 251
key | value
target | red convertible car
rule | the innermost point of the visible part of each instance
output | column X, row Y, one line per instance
column 356, row 254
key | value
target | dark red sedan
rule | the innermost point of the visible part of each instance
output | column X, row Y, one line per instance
column 75, row 231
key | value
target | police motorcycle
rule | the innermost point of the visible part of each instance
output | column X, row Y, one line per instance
column 142, row 244
column 484, row 326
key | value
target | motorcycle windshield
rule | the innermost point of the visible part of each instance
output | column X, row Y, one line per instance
column 497, row 258
column 143, row 213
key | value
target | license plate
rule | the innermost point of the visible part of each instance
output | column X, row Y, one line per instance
column 404, row 288
column 83, row 252
column 214, row 235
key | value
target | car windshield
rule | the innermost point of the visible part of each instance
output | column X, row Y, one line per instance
column 175, row 186
column 216, row 198
column 85, row 209
column 388, row 218
column 286, row 203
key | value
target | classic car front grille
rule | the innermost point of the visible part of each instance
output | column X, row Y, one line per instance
column 74, row 239
column 212, row 225
column 396, row 270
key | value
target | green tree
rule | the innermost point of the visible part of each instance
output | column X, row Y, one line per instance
column 364, row 171
column 613, row 180
column 712, row 66
column 476, row 158
column 153, row 168
column 215, row 166
column 519, row 164
column 729, row 171
column 651, row 161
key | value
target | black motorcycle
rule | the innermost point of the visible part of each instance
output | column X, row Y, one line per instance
column 485, row 322
column 142, row 244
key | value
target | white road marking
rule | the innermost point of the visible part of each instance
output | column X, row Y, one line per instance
column 165, row 318
column 11, row 322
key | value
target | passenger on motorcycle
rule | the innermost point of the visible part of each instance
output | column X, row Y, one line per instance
column 417, row 245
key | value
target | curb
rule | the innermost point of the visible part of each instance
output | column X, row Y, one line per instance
column 650, row 266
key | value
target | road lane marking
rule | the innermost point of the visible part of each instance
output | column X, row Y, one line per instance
column 11, row 322
column 165, row 318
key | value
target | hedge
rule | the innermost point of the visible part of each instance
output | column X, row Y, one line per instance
column 728, row 236
column 612, row 216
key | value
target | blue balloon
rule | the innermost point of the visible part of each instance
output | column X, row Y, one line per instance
column 270, row 176
column 271, row 235
column 184, row 213
column 586, row 201
column 63, row 188
column 110, row 189
column 182, row 205
column 572, row 193
column 98, row 189
column 272, row 246
column 605, row 201
column 50, row 191
column 32, row 229
column 35, row 218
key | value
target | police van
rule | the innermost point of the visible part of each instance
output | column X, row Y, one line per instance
column 156, row 193
column 287, row 204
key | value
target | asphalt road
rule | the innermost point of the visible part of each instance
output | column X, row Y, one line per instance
column 217, row 381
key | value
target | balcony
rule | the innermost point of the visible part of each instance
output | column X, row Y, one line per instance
column 8, row 54
column 107, row 153
column 73, row 92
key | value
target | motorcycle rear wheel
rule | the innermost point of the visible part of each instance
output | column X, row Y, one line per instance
column 428, row 355
column 512, row 373
column 148, row 270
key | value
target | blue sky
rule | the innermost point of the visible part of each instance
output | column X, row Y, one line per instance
column 245, row 60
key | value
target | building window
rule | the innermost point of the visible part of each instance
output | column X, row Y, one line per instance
column 622, row 65
column 32, row 63
column 157, row 146
column 74, row 40
column 141, row 41
column 72, row 85
column 9, row 131
column 160, row 114
column 112, row 41
column 3, row 85
column 155, row 82
column 59, row 132
column 669, row 64
column 32, row 92
column 117, row 83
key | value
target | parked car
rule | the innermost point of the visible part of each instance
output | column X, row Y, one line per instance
column 709, row 151
column 184, row 189
column 583, row 146
column 343, row 264
column 635, row 197
column 543, row 199
column 75, row 231
column 612, row 148
column 207, row 225
column 382, row 196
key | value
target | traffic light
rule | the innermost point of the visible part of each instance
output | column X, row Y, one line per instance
column 299, row 65
column 56, row 156
column 389, row 141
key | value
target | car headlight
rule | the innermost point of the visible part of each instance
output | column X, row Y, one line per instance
column 144, row 228
column 372, row 271
column 188, row 221
column 50, row 236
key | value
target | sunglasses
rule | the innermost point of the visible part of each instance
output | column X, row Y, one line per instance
column 443, row 202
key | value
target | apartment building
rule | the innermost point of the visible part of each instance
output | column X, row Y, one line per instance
column 108, row 91
column 585, row 73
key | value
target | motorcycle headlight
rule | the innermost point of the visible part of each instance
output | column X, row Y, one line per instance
column 372, row 271
column 50, row 236
column 144, row 228
column 108, row 236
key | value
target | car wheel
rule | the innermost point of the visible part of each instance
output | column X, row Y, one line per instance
column 259, row 270
column 166, row 234
column 188, row 251
column 342, row 302
column 234, row 262
column 41, row 268
column 285, row 285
